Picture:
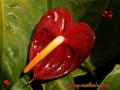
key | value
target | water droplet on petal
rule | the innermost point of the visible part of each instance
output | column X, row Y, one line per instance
column 69, row 56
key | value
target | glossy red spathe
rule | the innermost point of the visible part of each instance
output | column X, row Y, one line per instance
column 79, row 41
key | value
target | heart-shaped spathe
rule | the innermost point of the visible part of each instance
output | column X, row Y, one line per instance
column 78, row 43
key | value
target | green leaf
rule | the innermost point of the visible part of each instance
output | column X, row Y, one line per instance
column 88, row 64
column 112, row 80
column 78, row 72
column 88, row 11
column 107, row 44
column 59, row 84
column 17, row 21
column 21, row 85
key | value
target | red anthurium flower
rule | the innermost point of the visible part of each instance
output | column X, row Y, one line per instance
column 78, row 43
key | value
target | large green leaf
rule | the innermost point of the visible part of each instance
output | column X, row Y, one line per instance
column 83, row 10
column 112, row 80
column 17, row 21
column 59, row 84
